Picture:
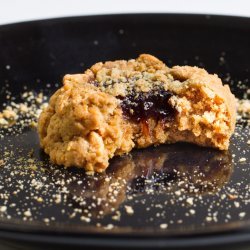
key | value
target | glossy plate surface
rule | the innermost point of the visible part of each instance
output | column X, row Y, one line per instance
column 169, row 196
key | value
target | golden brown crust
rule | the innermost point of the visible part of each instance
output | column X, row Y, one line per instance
column 84, row 124
column 82, row 127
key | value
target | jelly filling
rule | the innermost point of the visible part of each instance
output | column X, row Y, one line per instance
column 140, row 106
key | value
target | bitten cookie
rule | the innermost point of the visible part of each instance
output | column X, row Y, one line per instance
column 116, row 106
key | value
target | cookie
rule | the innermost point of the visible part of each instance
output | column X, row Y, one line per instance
column 116, row 106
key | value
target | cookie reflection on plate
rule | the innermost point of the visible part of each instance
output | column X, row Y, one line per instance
column 169, row 168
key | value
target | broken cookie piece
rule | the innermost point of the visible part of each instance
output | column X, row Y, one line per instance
column 116, row 106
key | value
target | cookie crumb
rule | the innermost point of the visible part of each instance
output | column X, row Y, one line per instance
column 208, row 218
column 163, row 226
column 192, row 211
column 129, row 210
column 236, row 204
column 242, row 214
column 86, row 219
column 46, row 220
column 3, row 209
column 27, row 213
column 243, row 159
column 178, row 192
column 232, row 196
column 190, row 201
column 39, row 199
column 109, row 227
column 117, row 216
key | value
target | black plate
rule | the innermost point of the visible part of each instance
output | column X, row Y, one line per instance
column 213, row 205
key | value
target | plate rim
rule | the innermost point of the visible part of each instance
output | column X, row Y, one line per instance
column 205, row 16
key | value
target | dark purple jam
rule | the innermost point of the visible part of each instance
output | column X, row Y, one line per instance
column 142, row 106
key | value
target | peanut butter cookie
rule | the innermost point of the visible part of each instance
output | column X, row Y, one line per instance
column 117, row 106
